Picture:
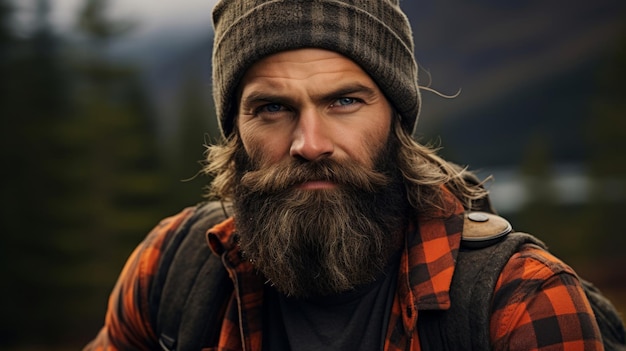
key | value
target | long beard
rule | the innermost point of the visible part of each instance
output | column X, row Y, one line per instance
column 326, row 241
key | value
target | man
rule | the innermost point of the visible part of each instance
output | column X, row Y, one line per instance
column 344, row 230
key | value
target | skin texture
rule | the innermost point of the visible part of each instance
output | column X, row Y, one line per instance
column 311, row 104
column 319, row 199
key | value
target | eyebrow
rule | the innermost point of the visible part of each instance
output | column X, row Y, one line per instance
column 348, row 89
column 256, row 96
column 263, row 96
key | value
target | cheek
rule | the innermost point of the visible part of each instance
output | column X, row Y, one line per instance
column 263, row 146
column 374, row 147
column 372, row 141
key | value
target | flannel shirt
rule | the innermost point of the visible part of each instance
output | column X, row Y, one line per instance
column 538, row 302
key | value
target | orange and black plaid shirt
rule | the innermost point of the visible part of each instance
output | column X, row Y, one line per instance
column 538, row 302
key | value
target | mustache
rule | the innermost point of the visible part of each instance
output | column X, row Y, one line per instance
column 292, row 172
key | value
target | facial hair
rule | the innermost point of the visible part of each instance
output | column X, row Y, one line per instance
column 323, row 241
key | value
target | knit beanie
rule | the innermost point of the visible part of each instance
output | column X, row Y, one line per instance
column 375, row 34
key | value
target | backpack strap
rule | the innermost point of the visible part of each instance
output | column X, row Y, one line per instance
column 487, row 245
column 608, row 319
column 190, row 285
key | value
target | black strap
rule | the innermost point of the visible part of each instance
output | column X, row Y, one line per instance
column 465, row 326
column 191, row 285
column 608, row 319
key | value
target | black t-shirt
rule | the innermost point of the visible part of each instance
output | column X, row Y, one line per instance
column 354, row 320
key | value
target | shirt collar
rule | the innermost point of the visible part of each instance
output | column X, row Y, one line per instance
column 427, row 264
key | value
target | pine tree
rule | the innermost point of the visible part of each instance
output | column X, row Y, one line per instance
column 117, row 187
column 83, row 183
column 197, row 127
column 606, row 145
column 33, row 100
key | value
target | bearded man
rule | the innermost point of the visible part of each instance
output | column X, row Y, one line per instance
column 343, row 231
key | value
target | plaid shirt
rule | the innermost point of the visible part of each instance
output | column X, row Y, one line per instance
column 538, row 303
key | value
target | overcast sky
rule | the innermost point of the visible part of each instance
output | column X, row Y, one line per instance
column 152, row 15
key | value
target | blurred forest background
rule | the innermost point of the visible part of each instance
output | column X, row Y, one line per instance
column 96, row 147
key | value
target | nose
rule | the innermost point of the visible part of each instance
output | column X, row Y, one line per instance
column 311, row 138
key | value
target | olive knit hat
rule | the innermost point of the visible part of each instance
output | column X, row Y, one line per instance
column 375, row 34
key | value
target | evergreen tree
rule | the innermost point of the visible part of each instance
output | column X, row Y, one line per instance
column 544, row 213
column 82, row 183
column 117, row 190
column 33, row 99
column 606, row 145
column 537, row 213
column 197, row 127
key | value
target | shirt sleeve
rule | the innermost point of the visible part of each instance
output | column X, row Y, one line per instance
column 127, row 323
column 539, row 304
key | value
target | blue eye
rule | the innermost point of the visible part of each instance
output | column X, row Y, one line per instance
column 273, row 107
column 272, row 111
column 345, row 101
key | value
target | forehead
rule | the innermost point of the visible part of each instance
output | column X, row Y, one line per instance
column 308, row 65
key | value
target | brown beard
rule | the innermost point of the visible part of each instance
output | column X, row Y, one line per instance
column 326, row 241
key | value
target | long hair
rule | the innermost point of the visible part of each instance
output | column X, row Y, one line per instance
column 425, row 173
